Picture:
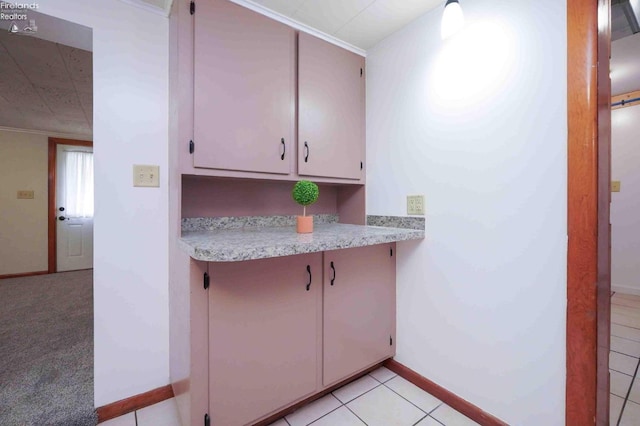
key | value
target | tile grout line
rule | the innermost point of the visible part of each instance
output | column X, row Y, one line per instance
column 621, row 372
column 365, row 423
column 324, row 415
column 427, row 413
column 625, row 338
column 353, row 399
column 135, row 416
column 622, row 353
column 625, row 325
column 380, row 381
column 624, row 404
column 421, row 419
column 436, row 420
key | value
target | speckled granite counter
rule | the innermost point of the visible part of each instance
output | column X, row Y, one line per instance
column 231, row 245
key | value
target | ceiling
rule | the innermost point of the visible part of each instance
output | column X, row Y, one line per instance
column 361, row 23
column 625, row 65
column 622, row 13
column 45, row 86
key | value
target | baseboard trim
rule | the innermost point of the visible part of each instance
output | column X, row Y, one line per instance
column 454, row 401
column 24, row 274
column 634, row 291
column 128, row 405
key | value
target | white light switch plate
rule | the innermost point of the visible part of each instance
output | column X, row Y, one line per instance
column 25, row 194
column 146, row 176
column 415, row 204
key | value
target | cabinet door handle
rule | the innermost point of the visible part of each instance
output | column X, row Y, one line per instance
column 284, row 148
column 333, row 278
column 309, row 272
column 306, row 152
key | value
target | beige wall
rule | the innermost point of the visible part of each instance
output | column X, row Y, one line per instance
column 23, row 223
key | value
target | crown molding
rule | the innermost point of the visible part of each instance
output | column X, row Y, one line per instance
column 45, row 133
column 299, row 26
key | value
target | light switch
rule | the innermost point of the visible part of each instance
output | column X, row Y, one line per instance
column 615, row 186
column 24, row 194
column 146, row 176
column 415, row 204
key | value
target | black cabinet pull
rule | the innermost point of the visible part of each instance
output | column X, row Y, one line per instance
column 333, row 278
column 284, row 148
column 306, row 152
column 309, row 272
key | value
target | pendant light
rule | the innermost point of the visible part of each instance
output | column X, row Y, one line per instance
column 452, row 19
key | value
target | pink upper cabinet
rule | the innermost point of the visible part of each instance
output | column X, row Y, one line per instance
column 244, row 90
column 331, row 110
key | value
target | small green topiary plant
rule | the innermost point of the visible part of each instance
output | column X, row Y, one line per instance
column 305, row 193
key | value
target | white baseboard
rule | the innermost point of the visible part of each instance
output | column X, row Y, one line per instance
column 625, row 289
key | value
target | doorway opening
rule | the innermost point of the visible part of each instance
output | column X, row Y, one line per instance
column 46, row 319
column 624, row 358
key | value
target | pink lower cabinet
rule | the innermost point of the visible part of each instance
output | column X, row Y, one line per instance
column 285, row 328
column 359, row 302
column 264, row 320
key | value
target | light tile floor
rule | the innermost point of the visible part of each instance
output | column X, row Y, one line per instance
column 624, row 359
column 380, row 398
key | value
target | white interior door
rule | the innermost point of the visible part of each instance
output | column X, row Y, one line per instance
column 74, row 207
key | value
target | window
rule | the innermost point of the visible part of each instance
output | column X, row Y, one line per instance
column 78, row 169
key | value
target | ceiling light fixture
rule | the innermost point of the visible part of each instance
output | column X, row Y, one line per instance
column 452, row 19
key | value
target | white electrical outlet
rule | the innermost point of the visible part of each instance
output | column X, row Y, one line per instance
column 146, row 176
column 415, row 204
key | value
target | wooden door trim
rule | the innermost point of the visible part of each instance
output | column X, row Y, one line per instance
column 587, row 38
column 51, row 210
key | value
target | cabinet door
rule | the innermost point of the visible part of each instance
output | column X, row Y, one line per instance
column 244, row 99
column 263, row 335
column 331, row 110
column 359, row 309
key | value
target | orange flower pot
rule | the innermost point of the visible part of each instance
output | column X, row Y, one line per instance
column 304, row 224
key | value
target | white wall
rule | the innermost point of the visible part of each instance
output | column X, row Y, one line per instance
column 478, row 125
column 625, row 205
column 130, row 75
column 23, row 223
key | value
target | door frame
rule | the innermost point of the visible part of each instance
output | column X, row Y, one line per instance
column 51, row 212
column 588, row 197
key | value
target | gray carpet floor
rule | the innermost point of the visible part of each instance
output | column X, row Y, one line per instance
column 46, row 350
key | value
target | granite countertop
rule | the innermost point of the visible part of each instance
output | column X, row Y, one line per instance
column 248, row 243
